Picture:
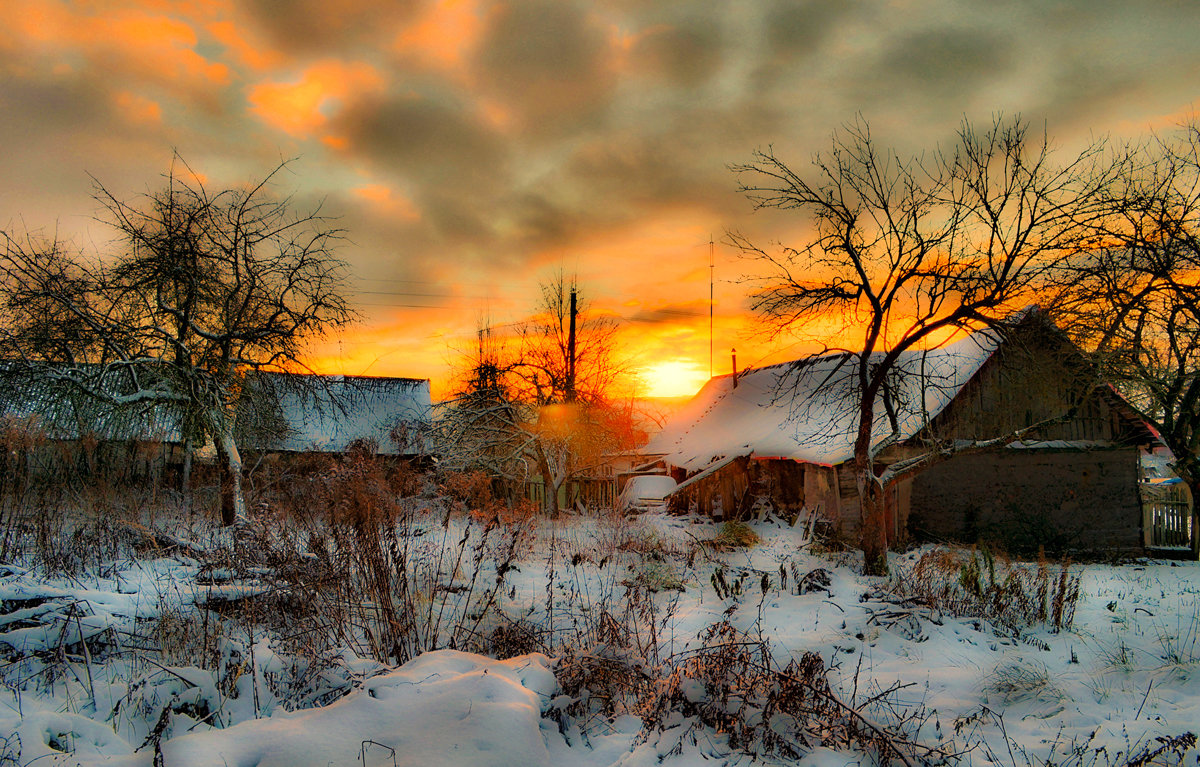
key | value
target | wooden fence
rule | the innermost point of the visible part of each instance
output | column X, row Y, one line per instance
column 592, row 493
column 1167, row 515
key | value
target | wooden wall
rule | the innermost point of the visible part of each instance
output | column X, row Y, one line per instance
column 1033, row 377
column 790, row 485
column 1068, row 501
column 1036, row 376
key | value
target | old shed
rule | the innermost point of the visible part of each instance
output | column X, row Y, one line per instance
column 783, row 437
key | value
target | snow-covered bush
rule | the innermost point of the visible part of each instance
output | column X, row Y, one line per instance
column 735, row 686
column 1015, row 682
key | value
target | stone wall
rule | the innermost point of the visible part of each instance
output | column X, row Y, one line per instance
column 1068, row 501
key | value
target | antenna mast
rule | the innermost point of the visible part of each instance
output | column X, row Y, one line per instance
column 712, row 265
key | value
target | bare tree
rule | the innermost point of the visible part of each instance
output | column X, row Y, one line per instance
column 905, row 254
column 483, row 425
column 538, row 402
column 1133, row 295
column 206, row 290
column 562, row 358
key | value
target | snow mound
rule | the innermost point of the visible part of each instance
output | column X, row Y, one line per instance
column 445, row 708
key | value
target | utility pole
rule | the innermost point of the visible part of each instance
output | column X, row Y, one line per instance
column 571, row 350
column 712, row 268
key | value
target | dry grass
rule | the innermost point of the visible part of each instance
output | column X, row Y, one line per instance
column 1016, row 682
column 977, row 584
column 735, row 535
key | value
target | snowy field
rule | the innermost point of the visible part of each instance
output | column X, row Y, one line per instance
column 623, row 643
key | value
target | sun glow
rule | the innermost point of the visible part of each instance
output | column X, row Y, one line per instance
column 673, row 378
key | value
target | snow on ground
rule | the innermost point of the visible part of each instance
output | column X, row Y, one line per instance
column 1128, row 670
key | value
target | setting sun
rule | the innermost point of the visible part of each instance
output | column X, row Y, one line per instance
column 673, row 378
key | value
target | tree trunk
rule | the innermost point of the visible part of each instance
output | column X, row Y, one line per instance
column 549, row 488
column 872, row 498
column 185, row 479
column 233, row 503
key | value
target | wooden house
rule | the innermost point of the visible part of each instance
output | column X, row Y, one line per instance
column 783, row 437
column 48, row 430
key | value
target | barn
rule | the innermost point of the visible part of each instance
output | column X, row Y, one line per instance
column 782, row 437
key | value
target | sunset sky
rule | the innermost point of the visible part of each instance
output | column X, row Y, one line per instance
column 471, row 147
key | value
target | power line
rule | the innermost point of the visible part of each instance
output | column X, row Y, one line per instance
column 637, row 317
column 407, row 306
column 418, row 295
column 440, row 283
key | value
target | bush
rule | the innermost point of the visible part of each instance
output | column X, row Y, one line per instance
column 1014, row 683
column 735, row 535
column 656, row 575
column 735, row 686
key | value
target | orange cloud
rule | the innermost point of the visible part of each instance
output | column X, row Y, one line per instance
column 124, row 42
column 138, row 108
column 444, row 36
column 303, row 106
column 495, row 114
column 387, row 201
column 253, row 54
column 340, row 143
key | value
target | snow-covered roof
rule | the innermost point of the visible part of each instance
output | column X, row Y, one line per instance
column 61, row 412
column 806, row 410
column 319, row 413
column 393, row 412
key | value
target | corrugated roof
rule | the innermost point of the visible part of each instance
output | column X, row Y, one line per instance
column 393, row 412
column 64, row 413
column 318, row 413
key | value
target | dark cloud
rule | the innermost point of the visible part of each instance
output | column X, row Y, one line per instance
column 638, row 171
column 316, row 27
column 541, row 221
column 36, row 105
column 670, row 314
column 1116, row 61
column 681, row 159
column 940, row 64
column 687, row 54
column 459, row 171
column 803, row 28
column 47, row 155
column 549, row 62
column 429, row 135
column 1082, row 91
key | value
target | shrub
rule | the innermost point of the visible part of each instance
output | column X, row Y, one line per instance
column 470, row 490
column 1016, row 682
column 733, row 685
column 735, row 535
column 656, row 575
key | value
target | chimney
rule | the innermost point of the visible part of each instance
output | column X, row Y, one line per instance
column 733, row 353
